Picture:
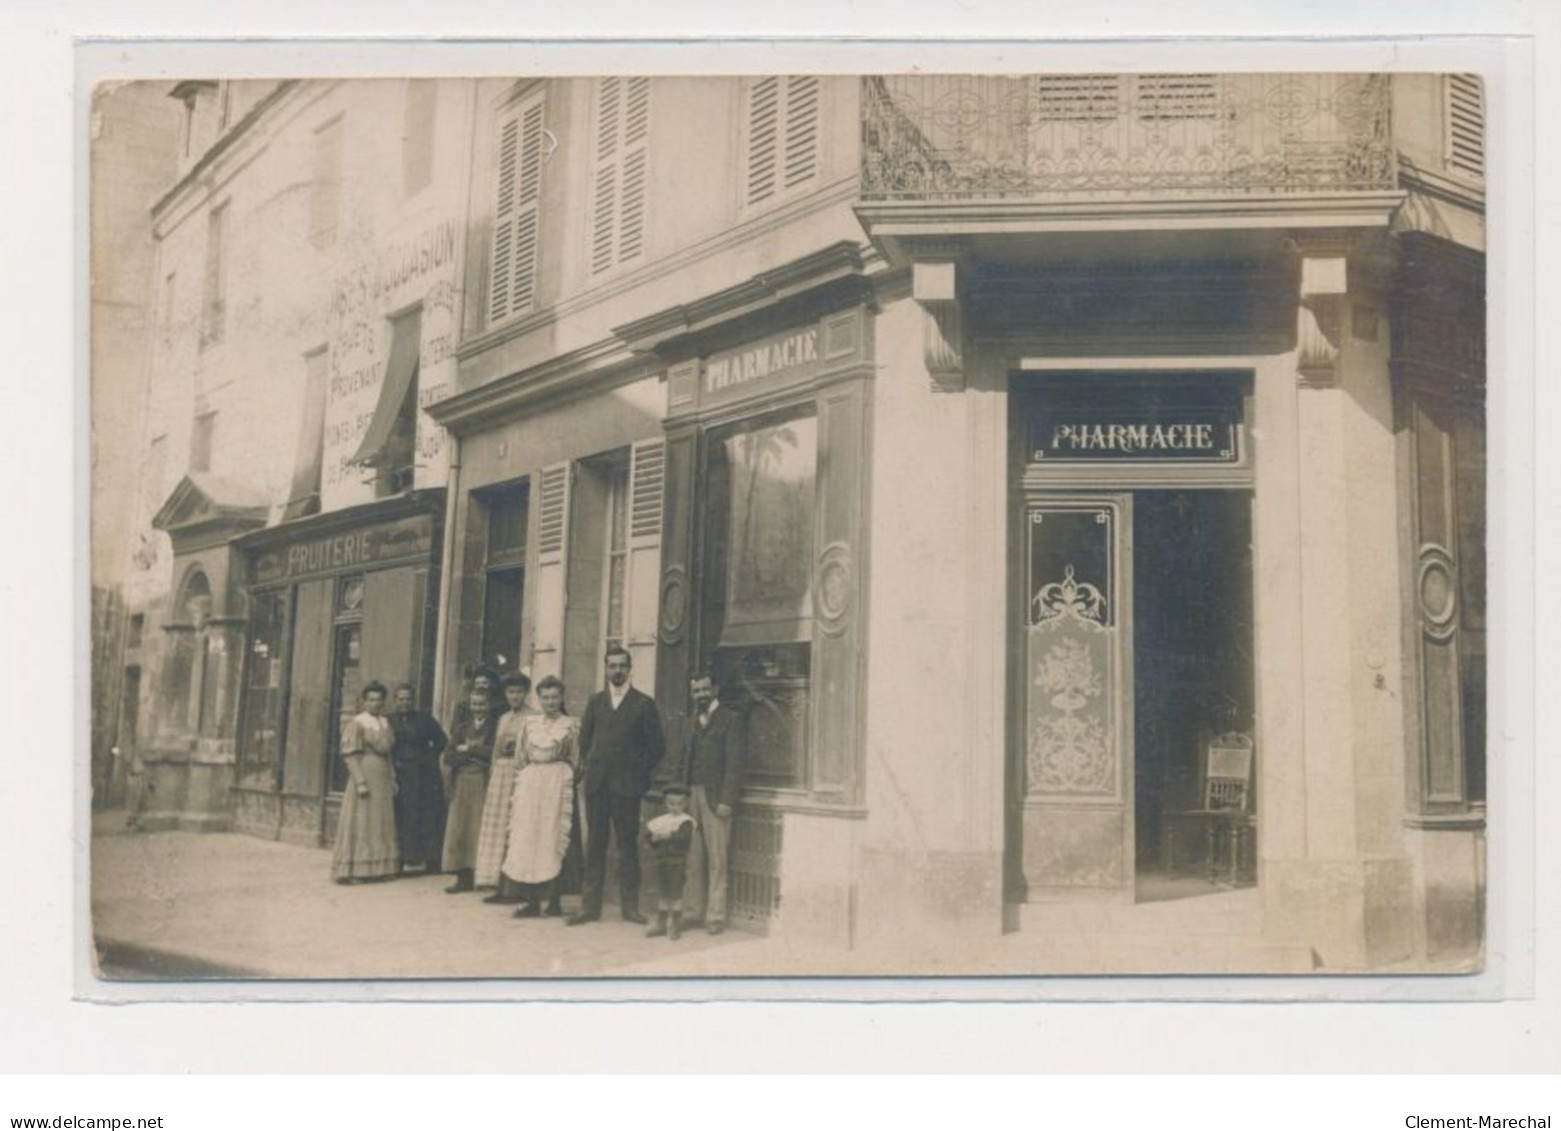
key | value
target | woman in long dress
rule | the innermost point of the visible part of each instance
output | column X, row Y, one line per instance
column 366, row 832
column 542, row 813
column 493, row 838
column 467, row 758
column 420, row 740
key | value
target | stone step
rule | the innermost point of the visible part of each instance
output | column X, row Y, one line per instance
column 1044, row 952
column 1226, row 914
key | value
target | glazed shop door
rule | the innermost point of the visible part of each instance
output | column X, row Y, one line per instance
column 1071, row 775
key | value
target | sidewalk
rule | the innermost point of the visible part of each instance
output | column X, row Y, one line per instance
column 225, row 905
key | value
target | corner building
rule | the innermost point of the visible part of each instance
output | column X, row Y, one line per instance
column 1078, row 481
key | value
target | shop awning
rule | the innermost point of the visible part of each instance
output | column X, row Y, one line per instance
column 400, row 371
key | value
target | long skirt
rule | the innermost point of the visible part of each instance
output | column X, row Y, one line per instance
column 541, row 819
column 420, row 811
column 464, row 820
column 493, row 837
column 366, row 830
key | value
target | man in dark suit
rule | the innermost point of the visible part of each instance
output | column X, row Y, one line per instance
column 713, row 768
column 620, row 745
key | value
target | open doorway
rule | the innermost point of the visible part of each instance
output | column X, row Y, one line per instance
column 1193, row 692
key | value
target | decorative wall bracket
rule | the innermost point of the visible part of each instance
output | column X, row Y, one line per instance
column 1320, row 320
column 935, row 287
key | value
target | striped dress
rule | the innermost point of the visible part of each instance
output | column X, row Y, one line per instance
column 493, row 838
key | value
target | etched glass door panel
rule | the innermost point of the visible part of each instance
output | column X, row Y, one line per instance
column 1075, row 752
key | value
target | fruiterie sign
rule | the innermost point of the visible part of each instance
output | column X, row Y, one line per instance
column 1161, row 435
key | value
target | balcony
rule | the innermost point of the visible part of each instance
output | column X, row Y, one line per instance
column 956, row 140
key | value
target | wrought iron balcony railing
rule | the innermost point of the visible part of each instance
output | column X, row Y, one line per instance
column 973, row 138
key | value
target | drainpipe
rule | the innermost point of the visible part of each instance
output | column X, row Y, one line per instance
column 446, row 571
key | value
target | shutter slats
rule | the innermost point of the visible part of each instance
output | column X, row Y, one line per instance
column 763, row 115
column 552, row 511
column 650, row 465
column 801, row 129
column 783, row 135
column 1466, row 124
column 619, row 187
column 631, row 215
column 516, row 214
column 636, row 125
column 602, row 228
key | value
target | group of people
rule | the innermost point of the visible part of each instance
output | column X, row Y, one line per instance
column 525, row 803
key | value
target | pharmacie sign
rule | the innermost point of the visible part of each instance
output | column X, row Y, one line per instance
column 1158, row 435
column 776, row 360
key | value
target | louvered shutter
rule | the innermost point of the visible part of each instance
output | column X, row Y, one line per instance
column 618, row 188
column 552, row 569
column 516, row 213
column 783, row 135
column 802, row 98
column 1466, row 124
column 647, row 473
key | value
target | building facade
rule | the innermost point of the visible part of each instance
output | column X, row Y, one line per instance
column 1076, row 481
column 308, row 283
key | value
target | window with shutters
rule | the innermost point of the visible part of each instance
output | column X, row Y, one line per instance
column 781, row 146
column 1465, row 120
column 619, row 178
column 512, row 275
column 509, row 510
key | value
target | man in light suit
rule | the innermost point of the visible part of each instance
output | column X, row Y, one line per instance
column 712, row 768
column 620, row 745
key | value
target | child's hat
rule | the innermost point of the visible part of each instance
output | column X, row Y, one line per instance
column 669, row 790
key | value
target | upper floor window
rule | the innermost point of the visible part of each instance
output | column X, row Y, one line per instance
column 512, row 277
column 782, row 136
column 1465, row 118
column 214, row 286
column 417, row 141
column 325, row 197
column 200, row 441
column 618, row 186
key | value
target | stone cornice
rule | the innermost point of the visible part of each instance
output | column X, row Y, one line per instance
column 937, row 218
column 426, row 501
column 664, row 331
column 607, row 364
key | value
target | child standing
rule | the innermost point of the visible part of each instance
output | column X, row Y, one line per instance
column 669, row 837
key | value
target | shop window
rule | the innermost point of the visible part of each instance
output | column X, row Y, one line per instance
column 782, row 150
column 505, row 583
column 1464, row 100
column 758, row 600
column 618, row 185
column 262, row 724
column 214, row 283
column 512, row 276
column 417, row 140
column 347, row 674
column 325, row 191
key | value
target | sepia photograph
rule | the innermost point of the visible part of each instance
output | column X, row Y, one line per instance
column 915, row 525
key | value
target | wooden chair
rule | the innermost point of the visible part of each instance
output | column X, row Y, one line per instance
column 1226, row 817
